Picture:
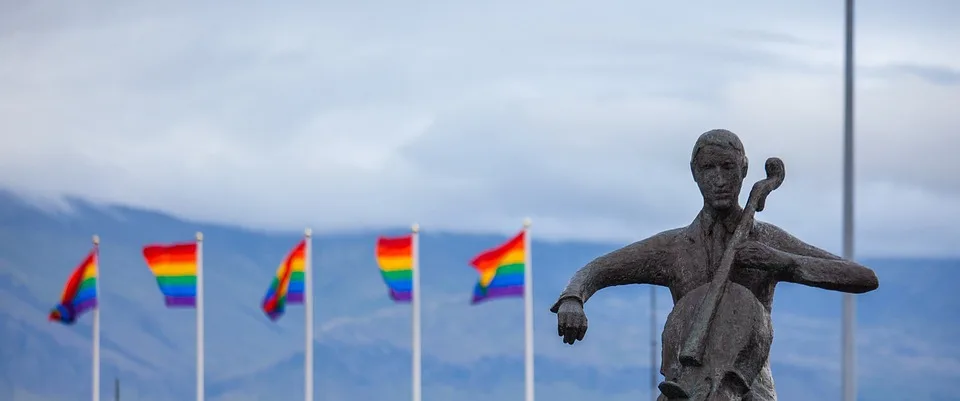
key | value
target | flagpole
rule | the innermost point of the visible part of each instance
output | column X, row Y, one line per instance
column 849, row 386
column 416, row 346
column 653, row 342
column 528, row 310
column 200, row 388
column 96, row 324
column 308, row 312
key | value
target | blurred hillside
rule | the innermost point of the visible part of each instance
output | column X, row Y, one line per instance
column 906, row 336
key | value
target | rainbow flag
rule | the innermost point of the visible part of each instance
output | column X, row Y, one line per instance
column 175, row 267
column 501, row 270
column 287, row 286
column 395, row 257
column 79, row 294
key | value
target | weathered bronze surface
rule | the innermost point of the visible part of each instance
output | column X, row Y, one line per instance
column 721, row 270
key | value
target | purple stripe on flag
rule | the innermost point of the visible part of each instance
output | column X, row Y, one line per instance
column 500, row 292
column 180, row 302
column 85, row 306
column 295, row 298
column 401, row 296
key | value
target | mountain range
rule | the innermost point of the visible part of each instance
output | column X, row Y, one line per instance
column 906, row 334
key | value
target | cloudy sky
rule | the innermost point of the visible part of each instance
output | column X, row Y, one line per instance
column 469, row 116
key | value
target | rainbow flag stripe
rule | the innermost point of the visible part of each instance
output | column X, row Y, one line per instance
column 79, row 294
column 501, row 270
column 175, row 267
column 287, row 287
column 395, row 257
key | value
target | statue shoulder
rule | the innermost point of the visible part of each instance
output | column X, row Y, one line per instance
column 668, row 236
column 664, row 240
column 769, row 233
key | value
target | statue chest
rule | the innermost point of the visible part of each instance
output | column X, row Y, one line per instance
column 692, row 268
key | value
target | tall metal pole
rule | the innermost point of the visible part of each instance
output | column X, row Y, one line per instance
column 201, row 392
column 96, row 325
column 308, row 316
column 530, row 382
column 116, row 389
column 416, row 347
column 849, row 386
column 653, row 342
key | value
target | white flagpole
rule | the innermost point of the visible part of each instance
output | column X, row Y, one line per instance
column 200, row 388
column 528, row 310
column 416, row 350
column 849, row 386
column 653, row 343
column 308, row 318
column 96, row 324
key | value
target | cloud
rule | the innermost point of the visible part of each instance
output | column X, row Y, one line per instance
column 470, row 117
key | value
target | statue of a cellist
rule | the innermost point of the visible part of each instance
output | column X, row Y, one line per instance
column 721, row 270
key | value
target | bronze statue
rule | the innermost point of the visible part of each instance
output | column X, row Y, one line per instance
column 721, row 270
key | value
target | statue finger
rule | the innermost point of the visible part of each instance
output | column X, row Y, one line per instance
column 578, row 327
column 561, row 323
column 569, row 336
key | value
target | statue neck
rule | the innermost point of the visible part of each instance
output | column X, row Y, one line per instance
column 729, row 217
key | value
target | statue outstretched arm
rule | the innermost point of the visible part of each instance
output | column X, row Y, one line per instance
column 815, row 267
column 642, row 262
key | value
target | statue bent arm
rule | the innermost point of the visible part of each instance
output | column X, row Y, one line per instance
column 642, row 262
column 812, row 266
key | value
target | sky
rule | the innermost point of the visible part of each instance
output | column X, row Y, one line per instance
column 470, row 116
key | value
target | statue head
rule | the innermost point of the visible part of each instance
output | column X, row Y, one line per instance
column 719, row 165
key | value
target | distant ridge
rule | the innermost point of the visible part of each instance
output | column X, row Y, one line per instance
column 907, row 347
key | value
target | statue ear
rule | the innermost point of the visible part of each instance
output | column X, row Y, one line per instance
column 746, row 164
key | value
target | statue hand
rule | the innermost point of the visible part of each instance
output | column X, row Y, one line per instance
column 755, row 255
column 571, row 321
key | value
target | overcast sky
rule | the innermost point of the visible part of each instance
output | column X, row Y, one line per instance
column 469, row 116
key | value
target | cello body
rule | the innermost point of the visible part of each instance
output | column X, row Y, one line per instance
column 733, row 357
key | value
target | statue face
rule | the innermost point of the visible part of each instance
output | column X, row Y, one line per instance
column 719, row 174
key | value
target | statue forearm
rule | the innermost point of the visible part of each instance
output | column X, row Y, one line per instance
column 639, row 263
column 574, row 289
column 591, row 278
column 831, row 274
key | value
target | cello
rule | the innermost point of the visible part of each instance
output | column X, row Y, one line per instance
column 701, row 362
